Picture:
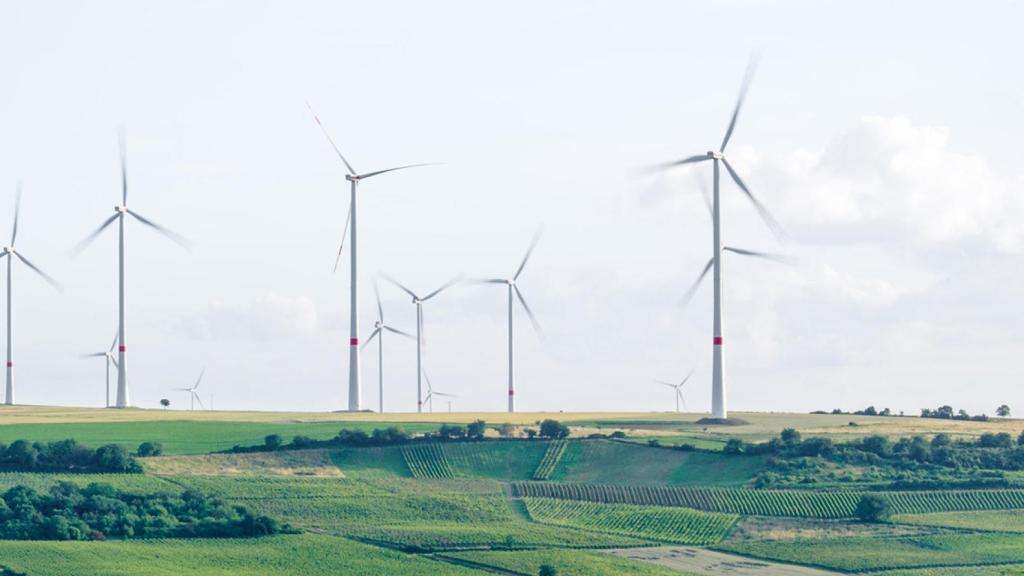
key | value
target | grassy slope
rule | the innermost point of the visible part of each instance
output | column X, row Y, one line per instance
column 497, row 460
column 995, row 520
column 306, row 554
column 567, row 562
column 607, row 462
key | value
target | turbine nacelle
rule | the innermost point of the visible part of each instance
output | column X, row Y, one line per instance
column 715, row 155
column 8, row 250
column 120, row 209
column 353, row 177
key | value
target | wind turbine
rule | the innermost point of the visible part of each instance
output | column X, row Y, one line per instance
column 193, row 396
column 431, row 393
column 678, row 387
column 120, row 211
column 109, row 355
column 718, row 393
column 513, row 294
column 355, row 400
column 418, row 301
column 11, row 254
column 378, row 332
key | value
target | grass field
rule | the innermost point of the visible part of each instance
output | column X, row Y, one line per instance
column 281, row 463
column 307, row 554
column 567, row 562
column 993, row 520
column 128, row 482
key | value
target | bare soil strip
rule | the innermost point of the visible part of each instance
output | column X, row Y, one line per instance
column 712, row 563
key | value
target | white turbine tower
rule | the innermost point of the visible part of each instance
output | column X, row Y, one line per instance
column 718, row 393
column 355, row 400
column 11, row 254
column 109, row 356
column 513, row 294
column 119, row 216
column 193, row 396
column 678, row 387
column 418, row 301
column 378, row 332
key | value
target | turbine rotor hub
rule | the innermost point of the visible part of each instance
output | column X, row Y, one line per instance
column 352, row 178
column 715, row 155
column 120, row 209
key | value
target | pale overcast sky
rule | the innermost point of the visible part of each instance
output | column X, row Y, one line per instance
column 883, row 135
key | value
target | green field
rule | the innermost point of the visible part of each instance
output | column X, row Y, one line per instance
column 511, row 504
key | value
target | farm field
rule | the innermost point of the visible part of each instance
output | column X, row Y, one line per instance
column 582, row 505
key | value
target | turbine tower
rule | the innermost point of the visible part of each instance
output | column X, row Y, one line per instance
column 378, row 332
column 718, row 392
column 513, row 294
column 109, row 356
column 193, row 396
column 11, row 254
column 678, row 387
column 418, row 301
column 119, row 215
column 355, row 400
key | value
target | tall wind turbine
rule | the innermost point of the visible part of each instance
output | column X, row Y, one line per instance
column 109, row 356
column 355, row 399
column 429, row 399
column 513, row 294
column 378, row 332
column 418, row 301
column 193, row 396
column 718, row 395
column 678, row 387
column 120, row 211
column 11, row 254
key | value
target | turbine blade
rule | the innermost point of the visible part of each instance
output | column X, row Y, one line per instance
column 444, row 287
column 113, row 343
column 373, row 335
column 399, row 332
column 445, row 395
column 661, row 167
column 399, row 285
column 88, row 239
column 529, row 252
column 696, row 284
column 122, row 149
column 36, row 269
column 687, row 377
column 17, row 210
column 173, row 236
column 529, row 312
column 488, row 281
column 702, row 184
column 664, row 383
column 200, row 379
column 372, row 174
column 682, row 400
column 430, row 387
column 747, row 77
column 96, row 355
column 380, row 307
column 351, row 171
column 766, row 255
column 114, row 361
column 200, row 400
column 343, row 235
column 770, row 220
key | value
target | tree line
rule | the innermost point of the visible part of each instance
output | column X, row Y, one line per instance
column 66, row 456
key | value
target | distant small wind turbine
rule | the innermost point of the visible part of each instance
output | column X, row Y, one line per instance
column 119, row 215
column 11, row 254
column 193, row 396
column 431, row 393
column 418, row 301
column 513, row 294
column 109, row 355
column 678, row 387
column 718, row 392
column 378, row 332
column 354, row 387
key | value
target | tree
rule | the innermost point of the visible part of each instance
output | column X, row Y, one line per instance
column 165, row 403
column 476, row 429
column 149, row 449
column 873, row 508
column 790, row 436
column 273, row 441
column 733, row 446
column 553, row 429
column 547, row 570
column 1003, row 411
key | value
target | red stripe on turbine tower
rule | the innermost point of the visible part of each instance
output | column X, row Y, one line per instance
column 10, row 364
column 718, row 340
column 353, row 341
column 121, row 349
column 511, row 392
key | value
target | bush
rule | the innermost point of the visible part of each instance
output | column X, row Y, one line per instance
column 476, row 429
column 790, row 436
column 273, row 441
column 547, row 570
column 149, row 449
column 733, row 446
column 873, row 508
column 617, row 434
column 553, row 429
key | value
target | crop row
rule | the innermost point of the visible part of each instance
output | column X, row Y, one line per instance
column 551, row 458
column 799, row 503
column 427, row 461
column 678, row 525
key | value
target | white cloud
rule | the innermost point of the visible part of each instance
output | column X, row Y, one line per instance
column 271, row 317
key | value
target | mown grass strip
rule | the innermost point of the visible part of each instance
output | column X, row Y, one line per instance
column 553, row 455
column 427, row 461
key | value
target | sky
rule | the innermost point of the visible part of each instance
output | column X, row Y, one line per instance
column 882, row 135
